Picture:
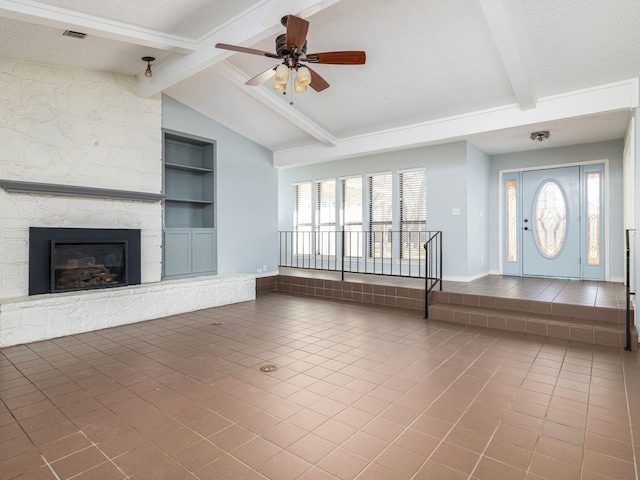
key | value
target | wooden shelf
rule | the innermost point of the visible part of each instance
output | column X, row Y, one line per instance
column 188, row 200
column 186, row 168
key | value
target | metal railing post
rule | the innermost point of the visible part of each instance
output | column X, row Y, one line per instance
column 343, row 256
column 628, row 290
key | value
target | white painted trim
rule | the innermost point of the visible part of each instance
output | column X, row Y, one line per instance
column 276, row 104
column 496, row 16
column 604, row 98
column 554, row 165
column 607, row 216
column 51, row 16
column 501, row 220
column 471, row 278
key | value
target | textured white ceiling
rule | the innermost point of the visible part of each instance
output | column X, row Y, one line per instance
column 574, row 44
column 427, row 62
column 185, row 18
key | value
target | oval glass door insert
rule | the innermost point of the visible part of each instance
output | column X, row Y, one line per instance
column 551, row 219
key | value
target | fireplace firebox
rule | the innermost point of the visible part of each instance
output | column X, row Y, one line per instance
column 68, row 259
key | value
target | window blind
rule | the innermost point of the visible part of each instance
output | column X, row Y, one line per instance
column 413, row 212
column 380, row 215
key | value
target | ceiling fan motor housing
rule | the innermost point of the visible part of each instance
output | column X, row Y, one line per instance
column 281, row 47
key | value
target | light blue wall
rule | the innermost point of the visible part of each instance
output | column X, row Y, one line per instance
column 611, row 150
column 478, row 174
column 636, row 181
column 446, row 167
column 246, row 192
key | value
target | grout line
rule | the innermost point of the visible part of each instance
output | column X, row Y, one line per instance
column 629, row 419
column 53, row 472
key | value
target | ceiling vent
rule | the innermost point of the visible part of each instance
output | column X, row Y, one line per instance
column 71, row 33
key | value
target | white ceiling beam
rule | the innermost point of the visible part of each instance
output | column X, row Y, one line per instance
column 278, row 105
column 252, row 25
column 507, row 45
column 612, row 97
column 50, row 16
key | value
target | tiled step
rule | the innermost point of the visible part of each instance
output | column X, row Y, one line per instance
column 597, row 325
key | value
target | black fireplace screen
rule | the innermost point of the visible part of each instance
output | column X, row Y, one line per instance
column 65, row 259
column 79, row 266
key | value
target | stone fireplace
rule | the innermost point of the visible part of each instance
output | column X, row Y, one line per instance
column 84, row 152
column 69, row 259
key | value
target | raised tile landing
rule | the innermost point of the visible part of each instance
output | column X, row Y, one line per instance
column 584, row 311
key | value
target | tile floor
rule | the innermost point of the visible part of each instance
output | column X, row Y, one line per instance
column 360, row 391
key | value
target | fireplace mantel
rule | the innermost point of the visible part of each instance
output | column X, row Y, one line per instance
column 19, row 186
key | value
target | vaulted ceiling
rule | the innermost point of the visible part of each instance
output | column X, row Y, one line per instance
column 487, row 71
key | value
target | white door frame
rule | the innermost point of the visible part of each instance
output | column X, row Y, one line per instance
column 501, row 206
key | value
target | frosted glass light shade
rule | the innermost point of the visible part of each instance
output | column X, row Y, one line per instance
column 304, row 76
column 299, row 87
column 282, row 73
column 279, row 87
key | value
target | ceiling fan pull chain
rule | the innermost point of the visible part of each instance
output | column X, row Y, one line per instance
column 291, row 89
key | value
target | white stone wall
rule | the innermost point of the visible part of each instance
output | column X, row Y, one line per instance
column 41, row 317
column 76, row 127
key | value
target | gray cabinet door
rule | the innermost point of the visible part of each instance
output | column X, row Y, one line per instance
column 177, row 252
column 189, row 252
column 203, row 251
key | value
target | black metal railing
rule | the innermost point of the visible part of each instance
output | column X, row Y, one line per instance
column 630, row 263
column 381, row 252
column 416, row 254
column 433, row 274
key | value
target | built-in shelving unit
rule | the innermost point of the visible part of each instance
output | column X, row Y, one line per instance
column 189, row 206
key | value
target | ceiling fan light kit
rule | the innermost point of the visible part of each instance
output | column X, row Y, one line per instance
column 282, row 74
column 148, row 73
column 291, row 48
column 299, row 87
column 303, row 76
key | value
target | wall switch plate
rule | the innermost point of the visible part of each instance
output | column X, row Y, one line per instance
column 456, row 211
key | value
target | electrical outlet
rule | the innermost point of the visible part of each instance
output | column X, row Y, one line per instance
column 259, row 270
column 264, row 268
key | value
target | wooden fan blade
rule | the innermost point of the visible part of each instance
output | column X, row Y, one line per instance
column 262, row 77
column 236, row 48
column 355, row 57
column 297, row 29
column 317, row 82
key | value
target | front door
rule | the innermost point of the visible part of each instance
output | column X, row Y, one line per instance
column 551, row 222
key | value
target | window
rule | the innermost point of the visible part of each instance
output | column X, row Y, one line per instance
column 413, row 213
column 551, row 219
column 367, row 208
column 380, row 215
column 352, row 216
column 326, row 218
column 302, row 219
column 512, row 221
column 593, row 218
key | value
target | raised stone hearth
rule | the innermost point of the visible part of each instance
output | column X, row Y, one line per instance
column 40, row 317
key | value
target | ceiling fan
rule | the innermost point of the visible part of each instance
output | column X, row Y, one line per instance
column 291, row 48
